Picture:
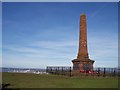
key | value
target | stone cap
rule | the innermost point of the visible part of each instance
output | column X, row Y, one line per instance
column 83, row 14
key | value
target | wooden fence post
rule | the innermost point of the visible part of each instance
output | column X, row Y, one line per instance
column 104, row 72
column 70, row 72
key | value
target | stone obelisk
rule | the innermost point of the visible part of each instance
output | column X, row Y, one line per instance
column 83, row 63
column 83, row 52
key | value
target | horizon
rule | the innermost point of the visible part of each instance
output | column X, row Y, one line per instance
column 47, row 34
column 54, row 66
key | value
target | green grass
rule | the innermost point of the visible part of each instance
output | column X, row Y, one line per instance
column 25, row 80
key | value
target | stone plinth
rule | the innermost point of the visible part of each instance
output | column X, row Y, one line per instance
column 83, row 65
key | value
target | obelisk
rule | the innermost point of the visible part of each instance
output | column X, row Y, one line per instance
column 83, row 52
column 83, row 63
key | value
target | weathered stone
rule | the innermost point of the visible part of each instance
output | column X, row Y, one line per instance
column 83, row 63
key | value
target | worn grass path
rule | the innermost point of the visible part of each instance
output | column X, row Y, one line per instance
column 25, row 80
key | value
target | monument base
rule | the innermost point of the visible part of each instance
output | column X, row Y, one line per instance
column 83, row 65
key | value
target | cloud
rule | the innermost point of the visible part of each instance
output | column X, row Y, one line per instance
column 39, row 56
column 104, row 50
column 44, row 49
column 55, row 44
column 58, row 52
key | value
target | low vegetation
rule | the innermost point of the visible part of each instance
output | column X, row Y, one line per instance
column 27, row 80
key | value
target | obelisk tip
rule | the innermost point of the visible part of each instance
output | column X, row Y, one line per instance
column 83, row 14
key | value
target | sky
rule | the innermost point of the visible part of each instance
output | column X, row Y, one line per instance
column 60, row 0
column 0, row 34
column 36, row 35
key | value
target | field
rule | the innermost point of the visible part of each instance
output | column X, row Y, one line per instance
column 25, row 80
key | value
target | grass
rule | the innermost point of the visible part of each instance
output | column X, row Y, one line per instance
column 25, row 80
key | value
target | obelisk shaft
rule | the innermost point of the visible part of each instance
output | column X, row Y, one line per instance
column 83, row 51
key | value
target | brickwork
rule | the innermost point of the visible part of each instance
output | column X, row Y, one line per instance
column 83, row 62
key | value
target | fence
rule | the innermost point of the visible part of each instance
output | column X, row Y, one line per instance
column 68, row 71
column 107, row 71
column 59, row 70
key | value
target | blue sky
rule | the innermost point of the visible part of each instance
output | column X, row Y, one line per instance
column 37, row 35
column 0, row 34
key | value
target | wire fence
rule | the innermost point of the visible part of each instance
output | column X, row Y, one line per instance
column 98, row 71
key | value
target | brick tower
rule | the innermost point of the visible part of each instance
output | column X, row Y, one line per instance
column 83, row 63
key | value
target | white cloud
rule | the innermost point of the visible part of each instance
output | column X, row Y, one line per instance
column 47, row 53
column 43, row 53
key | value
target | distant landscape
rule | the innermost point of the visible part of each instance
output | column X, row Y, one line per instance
column 23, row 70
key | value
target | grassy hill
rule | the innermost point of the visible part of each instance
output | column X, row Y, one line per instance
column 26, row 80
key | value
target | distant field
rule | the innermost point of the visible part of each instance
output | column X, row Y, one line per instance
column 25, row 80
